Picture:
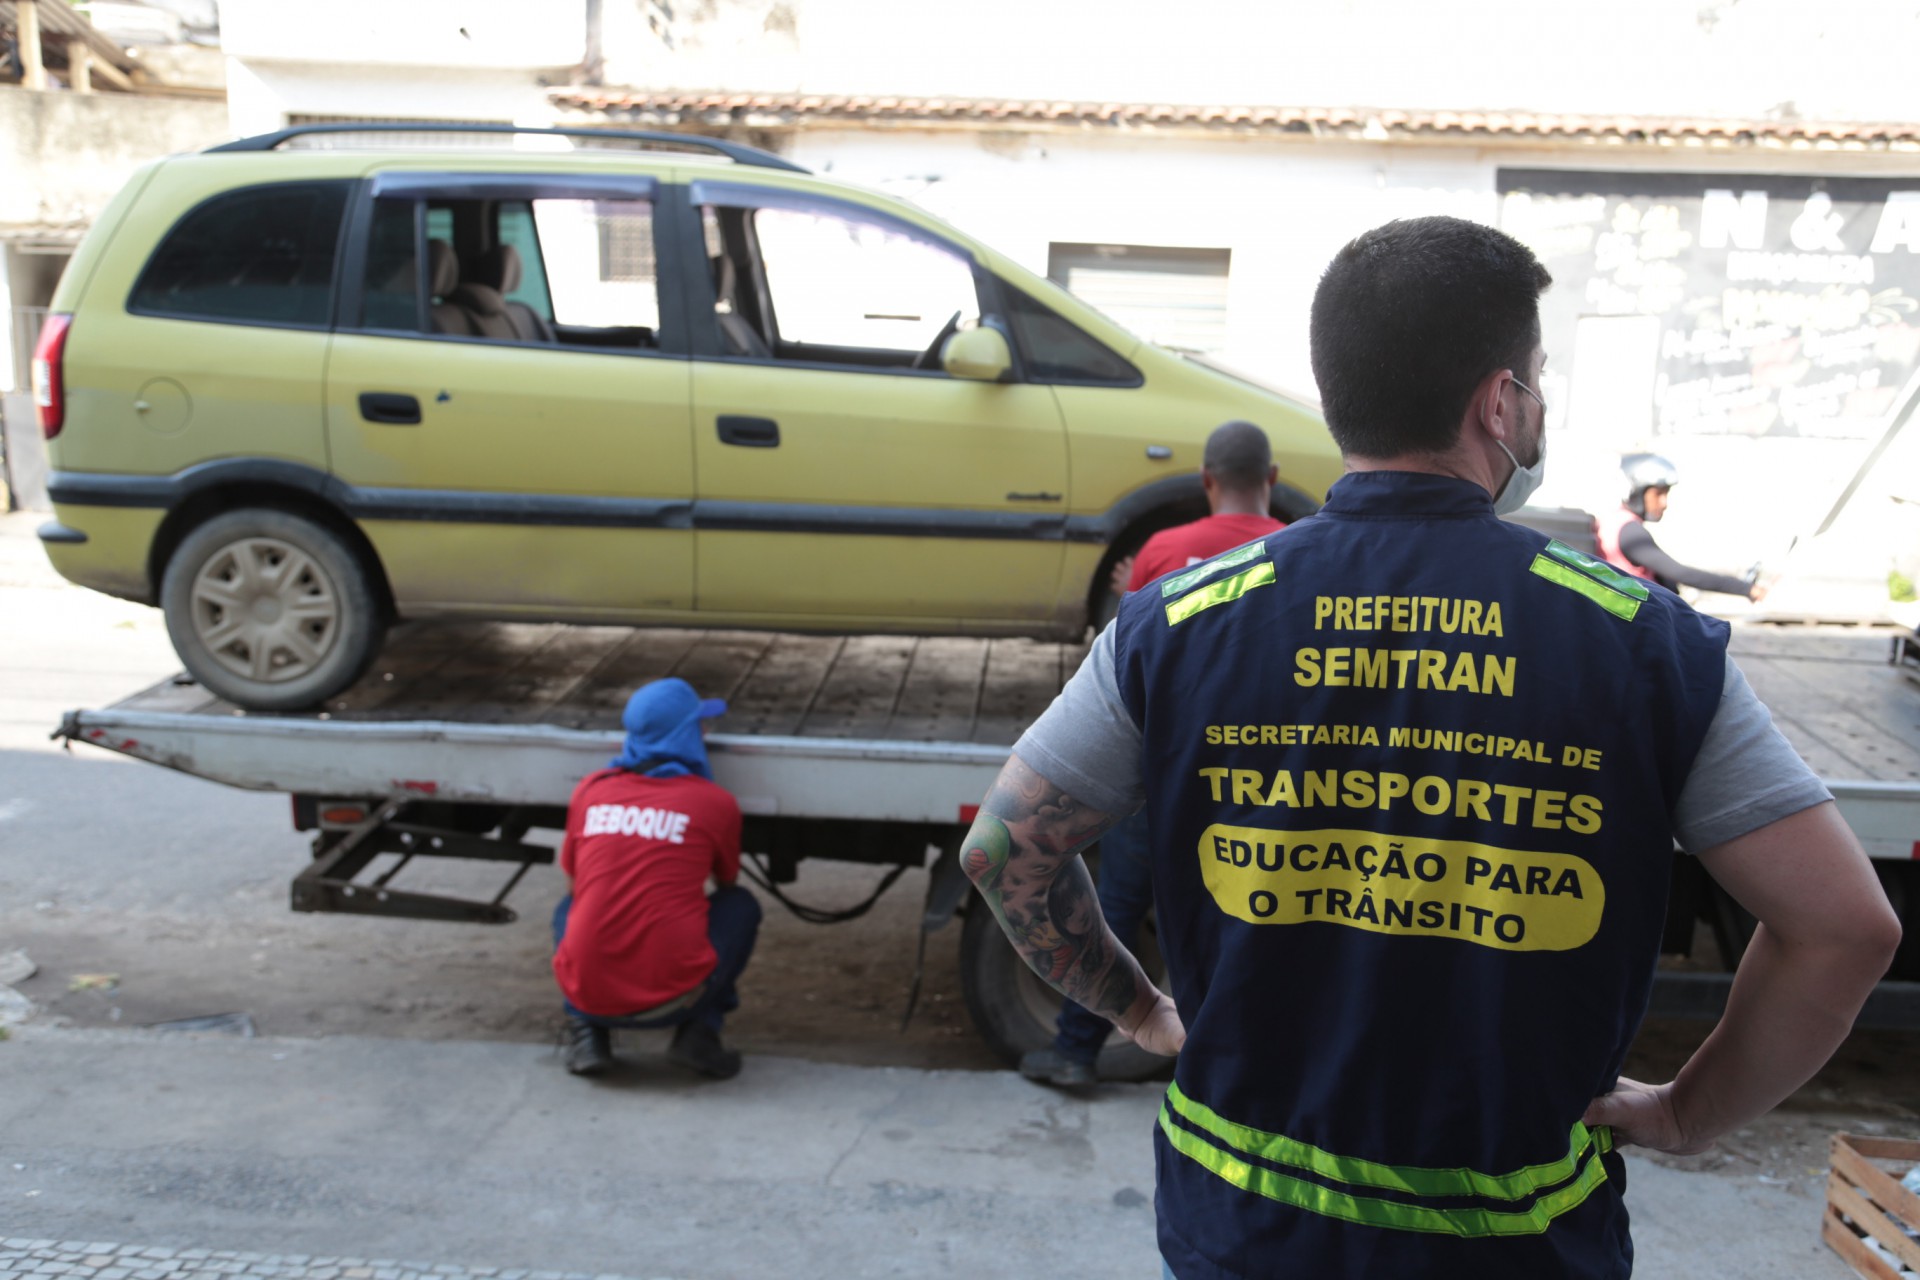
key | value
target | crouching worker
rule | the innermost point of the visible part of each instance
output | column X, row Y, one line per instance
column 638, row 942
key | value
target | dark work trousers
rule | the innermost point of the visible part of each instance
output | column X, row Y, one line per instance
column 733, row 922
column 1126, row 892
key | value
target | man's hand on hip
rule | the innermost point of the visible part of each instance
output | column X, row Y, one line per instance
column 1642, row 1115
column 1159, row 1030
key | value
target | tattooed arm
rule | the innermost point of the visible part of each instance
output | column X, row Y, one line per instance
column 1023, row 854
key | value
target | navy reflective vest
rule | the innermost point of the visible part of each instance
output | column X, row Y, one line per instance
column 1410, row 775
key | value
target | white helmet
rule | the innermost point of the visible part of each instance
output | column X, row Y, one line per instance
column 1646, row 471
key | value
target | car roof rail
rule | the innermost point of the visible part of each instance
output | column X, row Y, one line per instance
column 738, row 152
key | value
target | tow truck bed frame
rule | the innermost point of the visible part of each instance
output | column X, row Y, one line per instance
column 464, row 737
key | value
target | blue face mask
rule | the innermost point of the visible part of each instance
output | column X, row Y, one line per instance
column 1521, row 484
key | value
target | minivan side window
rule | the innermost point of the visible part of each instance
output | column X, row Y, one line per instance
column 599, row 263
column 259, row 255
column 391, row 297
column 831, row 288
column 518, row 230
column 561, row 271
column 1057, row 350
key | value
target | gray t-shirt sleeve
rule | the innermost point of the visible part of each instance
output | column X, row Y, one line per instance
column 1086, row 743
column 1745, row 776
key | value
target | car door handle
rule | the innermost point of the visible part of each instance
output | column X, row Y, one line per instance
column 749, row 433
column 386, row 406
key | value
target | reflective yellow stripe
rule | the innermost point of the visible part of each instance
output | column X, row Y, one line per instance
column 1598, row 568
column 1181, row 581
column 1374, row 1212
column 1619, row 605
column 1277, row 1148
column 1219, row 592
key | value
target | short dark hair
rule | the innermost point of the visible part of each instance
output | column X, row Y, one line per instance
column 1238, row 456
column 1407, row 321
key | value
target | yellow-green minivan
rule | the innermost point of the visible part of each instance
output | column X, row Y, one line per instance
column 301, row 385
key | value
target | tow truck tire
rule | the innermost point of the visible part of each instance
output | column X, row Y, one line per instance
column 1901, row 883
column 1014, row 1011
column 270, row 610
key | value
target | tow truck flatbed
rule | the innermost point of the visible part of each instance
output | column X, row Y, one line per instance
column 1848, row 699
column 866, row 748
column 515, row 714
column 509, row 713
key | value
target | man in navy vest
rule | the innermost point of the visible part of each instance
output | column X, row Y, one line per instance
column 1414, row 775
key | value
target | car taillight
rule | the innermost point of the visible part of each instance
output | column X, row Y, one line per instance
column 49, row 383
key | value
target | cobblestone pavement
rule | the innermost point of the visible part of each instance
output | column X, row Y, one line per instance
column 22, row 1258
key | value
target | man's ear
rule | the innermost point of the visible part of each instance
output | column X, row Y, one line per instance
column 1207, row 482
column 1273, row 476
column 1489, row 407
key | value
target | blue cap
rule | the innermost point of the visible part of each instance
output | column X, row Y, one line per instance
column 662, row 721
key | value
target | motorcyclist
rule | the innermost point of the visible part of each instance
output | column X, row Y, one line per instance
column 1626, row 542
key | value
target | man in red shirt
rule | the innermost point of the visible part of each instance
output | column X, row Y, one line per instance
column 638, row 942
column 1238, row 474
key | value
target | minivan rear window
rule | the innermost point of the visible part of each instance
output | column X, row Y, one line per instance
column 258, row 255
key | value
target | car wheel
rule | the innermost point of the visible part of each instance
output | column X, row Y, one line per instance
column 270, row 610
column 1014, row 1010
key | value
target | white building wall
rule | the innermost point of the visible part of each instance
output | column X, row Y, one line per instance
column 471, row 34
column 262, row 96
column 427, row 59
column 1759, row 59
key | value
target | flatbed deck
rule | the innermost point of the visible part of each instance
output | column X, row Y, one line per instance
column 1848, row 710
column 506, row 712
column 1853, row 714
column 516, row 714
column 885, row 688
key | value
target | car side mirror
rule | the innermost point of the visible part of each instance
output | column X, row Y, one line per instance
column 979, row 354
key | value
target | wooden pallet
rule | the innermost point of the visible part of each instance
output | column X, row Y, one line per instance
column 1873, row 1204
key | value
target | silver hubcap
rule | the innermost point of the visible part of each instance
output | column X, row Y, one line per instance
column 265, row 610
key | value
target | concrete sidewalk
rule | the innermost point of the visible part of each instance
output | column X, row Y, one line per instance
column 483, row 1156
column 490, row 1155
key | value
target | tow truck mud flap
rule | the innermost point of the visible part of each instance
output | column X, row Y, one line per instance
column 331, row 884
column 947, row 887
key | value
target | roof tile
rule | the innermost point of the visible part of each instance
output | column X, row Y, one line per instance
column 800, row 109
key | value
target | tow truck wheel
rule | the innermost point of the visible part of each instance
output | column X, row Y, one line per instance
column 270, row 610
column 1901, row 881
column 1015, row 1011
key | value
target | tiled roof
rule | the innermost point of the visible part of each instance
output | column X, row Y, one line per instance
column 774, row 110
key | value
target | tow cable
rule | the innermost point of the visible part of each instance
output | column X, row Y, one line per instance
column 757, row 871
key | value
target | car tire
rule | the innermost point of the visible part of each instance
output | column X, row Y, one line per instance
column 1014, row 1010
column 270, row 610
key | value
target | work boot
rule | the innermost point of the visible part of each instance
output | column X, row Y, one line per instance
column 697, row 1047
column 1050, row 1066
column 589, row 1048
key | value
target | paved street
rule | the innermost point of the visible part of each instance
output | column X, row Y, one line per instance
column 484, row 1154
column 81, row 1260
column 404, row 1101
column 488, row 1155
